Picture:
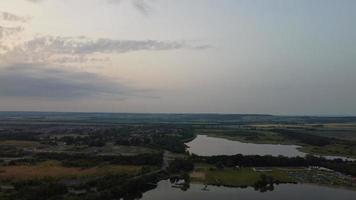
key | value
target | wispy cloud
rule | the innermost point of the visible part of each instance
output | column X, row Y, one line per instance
column 80, row 49
column 142, row 6
column 38, row 81
column 11, row 25
column 8, row 31
column 6, row 16
column 6, row 34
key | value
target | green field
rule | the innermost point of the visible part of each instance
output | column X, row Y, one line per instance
column 236, row 177
column 331, row 150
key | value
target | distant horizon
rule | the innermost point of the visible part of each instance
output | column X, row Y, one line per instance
column 177, row 113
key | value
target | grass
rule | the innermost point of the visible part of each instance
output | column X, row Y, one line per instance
column 131, row 150
column 331, row 150
column 53, row 169
column 109, row 148
column 4, row 196
column 236, row 177
column 231, row 177
column 247, row 136
column 19, row 143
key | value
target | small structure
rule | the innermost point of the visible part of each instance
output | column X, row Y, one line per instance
column 320, row 168
column 262, row 169
column 77, row 192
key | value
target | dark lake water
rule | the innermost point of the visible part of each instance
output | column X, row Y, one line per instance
column 207, row 146
column 164, row 191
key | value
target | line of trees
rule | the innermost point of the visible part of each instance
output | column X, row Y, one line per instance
column 85, row 160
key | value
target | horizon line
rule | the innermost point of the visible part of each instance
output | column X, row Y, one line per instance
column 178, row 113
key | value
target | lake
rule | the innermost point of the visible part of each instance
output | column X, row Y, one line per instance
column 204, row 145
column 285, row 191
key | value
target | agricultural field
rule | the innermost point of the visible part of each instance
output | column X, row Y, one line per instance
column 54, row 169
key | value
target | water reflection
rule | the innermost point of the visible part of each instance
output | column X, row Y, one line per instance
column 264, row 185
column 165, row 191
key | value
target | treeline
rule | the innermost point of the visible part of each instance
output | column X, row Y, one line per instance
column 311, row 139
column 20, row 135
column 170, row 143
column 122, row 187
column 38, row 190
column 166, row 137
column 180, row 165
column 107, row 187
column 85, row 160
column 305, row 138
column 91, row 141
column 339, row 165
column 11, row 151
column 158, row 141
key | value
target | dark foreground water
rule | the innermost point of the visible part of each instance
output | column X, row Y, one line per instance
column 164, row 191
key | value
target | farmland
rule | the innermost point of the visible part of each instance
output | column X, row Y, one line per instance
column 53, row 169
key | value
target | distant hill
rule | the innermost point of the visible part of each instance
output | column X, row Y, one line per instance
column 121, row 118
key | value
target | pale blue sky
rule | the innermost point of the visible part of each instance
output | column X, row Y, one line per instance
column 223, row 56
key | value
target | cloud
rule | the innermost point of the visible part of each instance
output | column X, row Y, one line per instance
column 6, row 34
column 5, row 16
column 8, row 31
column 46, row 49
column 141, row 5
column 35, row 1
column 37, row 81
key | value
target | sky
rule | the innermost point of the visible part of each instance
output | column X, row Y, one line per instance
column 283, row 57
